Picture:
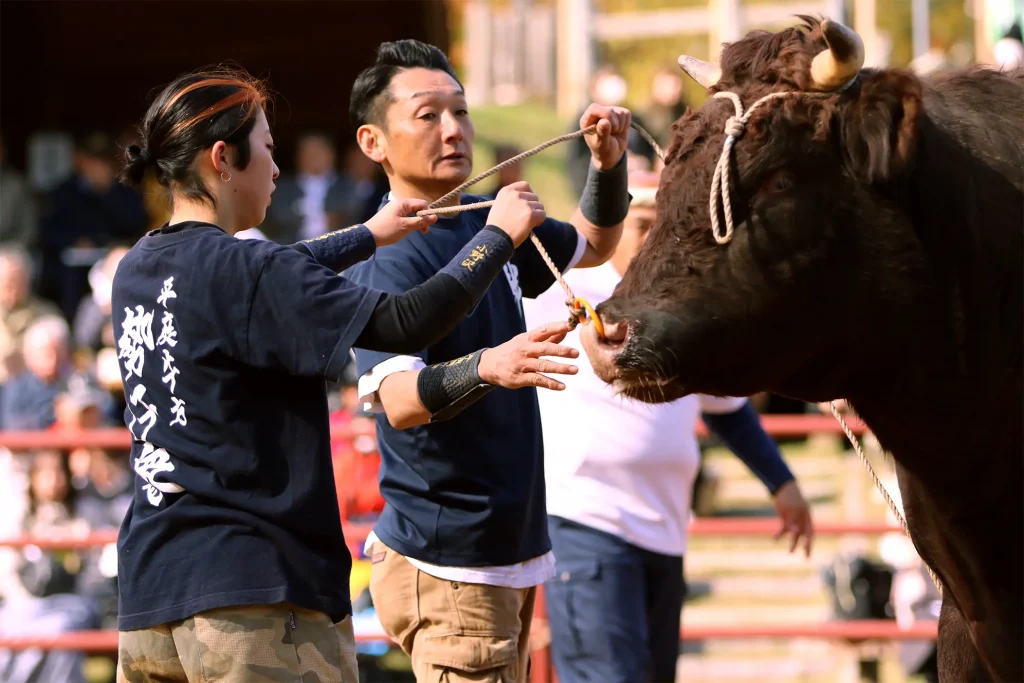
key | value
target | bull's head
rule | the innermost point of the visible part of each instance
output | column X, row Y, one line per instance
column 813, row 180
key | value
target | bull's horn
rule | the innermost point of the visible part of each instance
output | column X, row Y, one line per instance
column 705, row 73
column 844, row 57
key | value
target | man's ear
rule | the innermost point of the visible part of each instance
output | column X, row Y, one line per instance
column 879, row 129
column 370, row 139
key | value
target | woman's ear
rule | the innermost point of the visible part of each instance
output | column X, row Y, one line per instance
column 221, row 157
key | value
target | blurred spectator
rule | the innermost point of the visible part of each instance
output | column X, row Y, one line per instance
column 108, row 376
column 28, row 398
column 39, row 595
column 86, row 212
column 19, row 219
column 934, row 61
column 81, row 404
column 1008, row 51
column 92, row 323
column 509, row 174
column 19, row 308
column 608, row 88
column 317, row 199
column 102, row 503
column 666, row 104
column 355, row 456
column 371, row 184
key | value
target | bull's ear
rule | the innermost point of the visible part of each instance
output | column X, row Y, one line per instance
column 879, row 129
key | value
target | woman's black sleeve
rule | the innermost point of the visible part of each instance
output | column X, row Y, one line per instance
column 417, row 319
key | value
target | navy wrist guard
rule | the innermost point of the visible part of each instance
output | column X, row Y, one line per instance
column 446, row 389
column 342, row 248
column 605, row 199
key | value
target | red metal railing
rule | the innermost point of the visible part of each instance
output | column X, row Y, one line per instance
column 119, row 437
column 775, row 425
column 106, row 641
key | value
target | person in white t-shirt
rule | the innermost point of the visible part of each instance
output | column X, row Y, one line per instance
column 619, row 479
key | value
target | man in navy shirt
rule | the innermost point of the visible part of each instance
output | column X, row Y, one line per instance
column 462, row 542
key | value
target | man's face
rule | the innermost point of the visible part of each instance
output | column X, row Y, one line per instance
column 98, row 172
column 44, row 358
column 316, row 156
column 428, row 139
column 13, row 284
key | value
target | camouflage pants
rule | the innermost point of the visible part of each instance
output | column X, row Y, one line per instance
column 253, row 644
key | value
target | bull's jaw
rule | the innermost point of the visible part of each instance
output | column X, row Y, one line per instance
column 604, row 355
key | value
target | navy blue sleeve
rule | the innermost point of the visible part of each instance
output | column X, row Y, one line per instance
column 559, row 240
column 340, row 249
column 394, row 269
column 304, row 318
column 744, row 435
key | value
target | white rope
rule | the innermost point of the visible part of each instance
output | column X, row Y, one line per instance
column 735, row 127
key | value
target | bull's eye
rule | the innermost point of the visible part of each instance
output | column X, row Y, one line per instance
column 780, row 181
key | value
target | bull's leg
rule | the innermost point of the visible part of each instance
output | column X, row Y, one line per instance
column 959, row 661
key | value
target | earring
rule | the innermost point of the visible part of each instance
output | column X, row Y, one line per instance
column 225, row 179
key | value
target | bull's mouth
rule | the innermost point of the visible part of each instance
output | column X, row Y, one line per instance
column 616, row 361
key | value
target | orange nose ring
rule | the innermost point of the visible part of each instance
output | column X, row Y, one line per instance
column 578, row 303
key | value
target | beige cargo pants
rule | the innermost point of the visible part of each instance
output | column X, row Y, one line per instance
column 454, row 632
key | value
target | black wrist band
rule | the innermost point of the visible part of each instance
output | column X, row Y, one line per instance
column 605, row 199
column 445, row 389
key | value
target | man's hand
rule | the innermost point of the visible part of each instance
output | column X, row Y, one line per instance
column 518, row 363
column 393, row 222
column 517, row 211
column 608, row 143
column 795, row 515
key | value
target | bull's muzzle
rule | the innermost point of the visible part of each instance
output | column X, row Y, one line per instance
column 603, row 350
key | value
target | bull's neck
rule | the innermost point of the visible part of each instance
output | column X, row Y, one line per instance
column 938, row 423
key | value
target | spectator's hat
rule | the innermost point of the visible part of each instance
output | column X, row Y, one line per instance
column 83, row 393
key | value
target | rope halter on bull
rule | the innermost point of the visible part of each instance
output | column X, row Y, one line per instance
column 833, row 70
column 578, row 306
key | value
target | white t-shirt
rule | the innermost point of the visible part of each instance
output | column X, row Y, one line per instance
column 617, row 465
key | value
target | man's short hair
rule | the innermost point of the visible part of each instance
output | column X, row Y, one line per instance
column 370, row 94
column 16, row 255
column 47, row 328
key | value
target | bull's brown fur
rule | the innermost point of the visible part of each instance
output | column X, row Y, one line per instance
column 878, row 256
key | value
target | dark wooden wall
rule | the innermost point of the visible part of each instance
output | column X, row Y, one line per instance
column 83, row 65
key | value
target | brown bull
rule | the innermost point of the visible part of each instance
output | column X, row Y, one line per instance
column 875, row 254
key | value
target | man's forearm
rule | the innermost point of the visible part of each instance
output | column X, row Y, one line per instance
column 401, row 401
column 744, row 435
column 434, row 393
column 601, row 242
column 602, row 209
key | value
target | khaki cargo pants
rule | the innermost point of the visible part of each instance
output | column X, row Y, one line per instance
column 454, row 632
column 255, row 644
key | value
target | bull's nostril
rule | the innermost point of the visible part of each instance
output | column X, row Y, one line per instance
column 615, row 332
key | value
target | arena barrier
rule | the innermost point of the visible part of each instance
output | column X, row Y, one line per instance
column 541, row 668
column 120, row 438
column 542, row 671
